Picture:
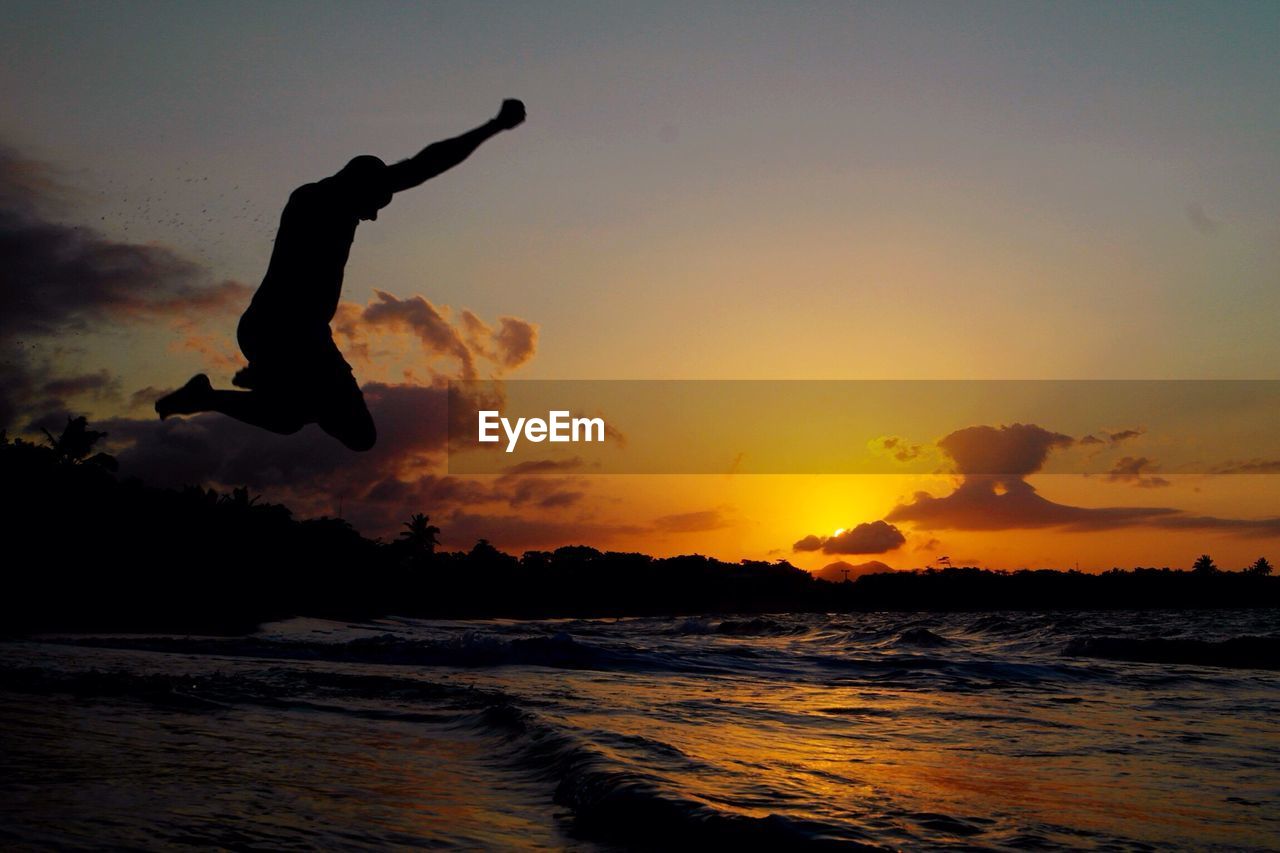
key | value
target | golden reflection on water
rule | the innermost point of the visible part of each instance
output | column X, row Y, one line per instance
column 260, row 774
column 834, row 729
column 857, row 754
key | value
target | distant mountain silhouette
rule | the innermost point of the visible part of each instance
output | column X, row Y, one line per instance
column 841, row 570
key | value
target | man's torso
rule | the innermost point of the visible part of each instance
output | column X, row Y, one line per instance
column 303, row 282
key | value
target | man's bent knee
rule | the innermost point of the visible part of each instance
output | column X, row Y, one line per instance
column 357, row 434
column 360, row 440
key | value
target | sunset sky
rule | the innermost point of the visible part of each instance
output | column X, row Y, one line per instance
column 706, row 191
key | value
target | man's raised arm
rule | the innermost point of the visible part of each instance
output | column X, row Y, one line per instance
column 447, row 153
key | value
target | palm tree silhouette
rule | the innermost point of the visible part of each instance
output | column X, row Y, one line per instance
column 1261, row 567
column 239, row 498
column 1204, row 565
column 76, row 442
column 421, row 535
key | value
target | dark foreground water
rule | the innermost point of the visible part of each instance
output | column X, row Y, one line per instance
column 885, row 730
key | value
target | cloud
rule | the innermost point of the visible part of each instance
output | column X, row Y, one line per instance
column 809, row 543
column 986, row 501
column 899, row 448
column 215, row 351
column 418, row 316
column 1111, row 438
column 1009, row 451
column 57, row 279
column 876, row 537
column 516, row 533
column 515, row 341
column 467, row 341
column 100, row 383
column 1135, row 470
column 411, row 433
column 1259, row 528
column 1252, row 466
column 692, row 522
column 143, row 398
column 34, row 396
column 428, row 490
column 544, row 492
column 544, row 466
column 511, row 345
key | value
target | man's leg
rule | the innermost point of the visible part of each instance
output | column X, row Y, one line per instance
column 347, row 418
column 256, row 408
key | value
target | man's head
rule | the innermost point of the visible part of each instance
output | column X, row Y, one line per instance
column 364, row 181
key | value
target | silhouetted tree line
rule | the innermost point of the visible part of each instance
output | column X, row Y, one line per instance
column 86, row 550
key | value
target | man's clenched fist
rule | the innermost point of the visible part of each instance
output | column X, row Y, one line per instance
column 511, row 114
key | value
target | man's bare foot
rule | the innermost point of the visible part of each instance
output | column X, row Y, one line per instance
column 187, row 400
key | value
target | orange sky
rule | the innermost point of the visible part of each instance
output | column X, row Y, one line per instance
column 853, row 191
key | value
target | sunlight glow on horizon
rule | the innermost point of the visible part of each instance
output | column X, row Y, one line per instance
column 834, row 191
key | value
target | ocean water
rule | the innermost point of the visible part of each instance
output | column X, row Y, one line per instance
column 884, row 731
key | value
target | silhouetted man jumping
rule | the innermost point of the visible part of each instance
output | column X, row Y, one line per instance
column 296, row 374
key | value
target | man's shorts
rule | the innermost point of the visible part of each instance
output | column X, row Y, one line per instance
column 302, row 367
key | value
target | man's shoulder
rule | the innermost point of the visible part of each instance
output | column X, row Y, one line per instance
column 314, row 190
column 318, row 195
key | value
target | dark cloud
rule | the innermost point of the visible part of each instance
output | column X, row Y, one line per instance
column 427, row 490
column 411, row 431
column 58, row 279
column 99, row 384
column 1111, row 438
column 809, row 543
column 1137, row 471
column 1260, row 528
column 527, row 484
column 1252, row 466
column 544, row 492
column 899, row 448
column 1008, row 451
column 876, row 537
column 145, row 397
column 991, row 503
column 692, row 522
column 42, row 397
column 516, row 533
column 544, row 466
column 985, row 501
